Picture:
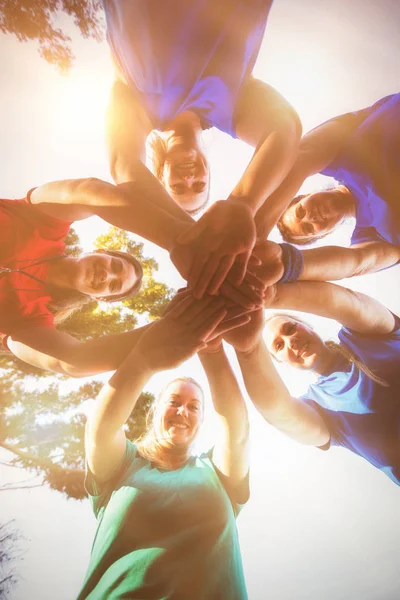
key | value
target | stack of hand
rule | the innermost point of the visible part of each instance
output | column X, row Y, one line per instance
column 226, row 267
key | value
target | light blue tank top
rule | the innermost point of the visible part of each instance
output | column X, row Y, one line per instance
column 362, row 415
column 187, row 55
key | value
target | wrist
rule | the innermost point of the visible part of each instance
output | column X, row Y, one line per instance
column 244, row 201
column 293, row 263
column 172, row 229
column 136, row 365
column 248, row 352
column 211, row 355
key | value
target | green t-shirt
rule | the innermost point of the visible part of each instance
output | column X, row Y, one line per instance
column 164, row 534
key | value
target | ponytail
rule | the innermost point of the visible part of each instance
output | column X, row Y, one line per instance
column 352, row 358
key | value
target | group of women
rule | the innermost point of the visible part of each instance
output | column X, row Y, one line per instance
column 166, row 518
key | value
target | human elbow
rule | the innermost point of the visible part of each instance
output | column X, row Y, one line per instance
column 75, row 367
column 90, row 186
column 123, row 171
column 290, row 123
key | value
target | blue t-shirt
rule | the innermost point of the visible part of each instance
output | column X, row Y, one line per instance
column 187, row 55
column 362, row 415
column 369, row 166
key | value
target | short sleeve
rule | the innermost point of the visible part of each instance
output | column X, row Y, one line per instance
column 49, row 228
column 361, row 235
column 347, row 335
column 329, row 418
column 30, row 315
column 99, row 494
column 238, row 495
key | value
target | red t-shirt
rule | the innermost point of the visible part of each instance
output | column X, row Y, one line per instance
column 26, row 236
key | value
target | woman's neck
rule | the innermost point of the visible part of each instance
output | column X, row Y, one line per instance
column 184, row 129
column 332, row 361
column 166, row 456
column 349, row 205
column 61, row 272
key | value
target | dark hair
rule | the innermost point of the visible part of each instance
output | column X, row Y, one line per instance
column 158, row 152
column 64, row 302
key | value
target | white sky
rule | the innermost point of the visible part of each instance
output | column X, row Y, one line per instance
column 318, row 525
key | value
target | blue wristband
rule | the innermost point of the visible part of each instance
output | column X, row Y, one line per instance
column 293, row 262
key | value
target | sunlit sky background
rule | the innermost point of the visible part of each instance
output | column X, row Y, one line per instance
column 318, row 525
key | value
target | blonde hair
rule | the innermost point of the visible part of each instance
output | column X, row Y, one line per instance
column 286, row 232
column 158, row 151
column 148, row 444
column 340, row 349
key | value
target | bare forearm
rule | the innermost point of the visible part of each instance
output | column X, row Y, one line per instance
column 352, row 309
column 332, row 263
column 107, row 352
column 317, row 150
column 273, row 401
column 270, row 212
column 57, row 351
column 263, row 384
column 141, row 205
column 118, row 397
column 149, row 189
column 227, row 398
column 269, row 166
column 144, row 208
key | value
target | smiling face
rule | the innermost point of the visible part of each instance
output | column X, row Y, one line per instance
column 179, row 413
column 102, row 275
column 296, row 344
column 315, row 215
column 186, row 177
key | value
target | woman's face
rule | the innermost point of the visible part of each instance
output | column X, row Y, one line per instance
column 295, row 344
column 179, row 413
column 186, row 177
column 315, row 214
column 103, row 276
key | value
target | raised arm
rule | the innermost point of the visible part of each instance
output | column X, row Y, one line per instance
column 230, row 452
column 328, row 263
column 138, row 203
column 317, row 150
column 127, row 127
column 266, row 121
column 266, row 389
column 164, row 345
column 60, row 352
column 125, row 207
column 352, row 309
column 271, row 398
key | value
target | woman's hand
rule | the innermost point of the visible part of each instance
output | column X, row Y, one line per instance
column 248, row 294
column 246, row 337
column 225, row 235
column 236, row 316
column 212, row 347
column 184, row 330
column 271, row 267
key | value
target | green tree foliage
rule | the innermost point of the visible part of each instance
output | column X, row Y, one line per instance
column 37, row 20
column 44, row 428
